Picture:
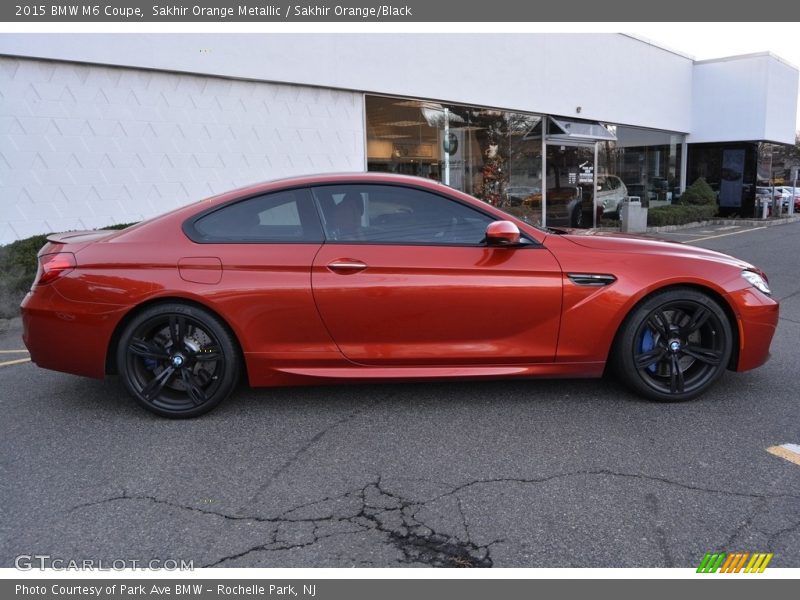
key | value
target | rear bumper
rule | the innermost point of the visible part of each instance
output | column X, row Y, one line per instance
column 757, row 319
column 68, row 336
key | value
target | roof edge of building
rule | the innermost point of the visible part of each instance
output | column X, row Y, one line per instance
column 746, row 56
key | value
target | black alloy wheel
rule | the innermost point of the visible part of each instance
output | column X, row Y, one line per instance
column 674, row 345
column 178, row 360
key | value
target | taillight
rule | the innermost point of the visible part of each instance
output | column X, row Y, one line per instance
column 53, row 266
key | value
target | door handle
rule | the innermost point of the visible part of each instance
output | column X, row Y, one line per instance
column 344, row 266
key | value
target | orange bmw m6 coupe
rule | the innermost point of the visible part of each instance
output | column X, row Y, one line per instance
column 365, row 277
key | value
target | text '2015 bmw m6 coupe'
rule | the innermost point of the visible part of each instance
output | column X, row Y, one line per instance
column 382, row 277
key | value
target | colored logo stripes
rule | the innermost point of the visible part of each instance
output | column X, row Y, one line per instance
column 734, row 562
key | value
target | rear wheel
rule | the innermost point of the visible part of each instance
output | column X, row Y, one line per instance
column 178, row 360
column 674, row 345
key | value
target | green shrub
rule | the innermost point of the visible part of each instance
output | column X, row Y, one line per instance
column 17, row 270
column 698, row 193
column 680, row 214
column 18, row 266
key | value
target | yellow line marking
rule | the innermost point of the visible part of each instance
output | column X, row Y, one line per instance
column 19, row 361
column 792, row 457
column 13, row 352
column 757, row 564
column 751, row 563
column 765, row 563
column 711, row 237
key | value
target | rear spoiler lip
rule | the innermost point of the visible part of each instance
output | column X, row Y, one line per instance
column 74, row 241
column 68, row 236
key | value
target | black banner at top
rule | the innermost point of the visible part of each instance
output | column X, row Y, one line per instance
column 143, row 11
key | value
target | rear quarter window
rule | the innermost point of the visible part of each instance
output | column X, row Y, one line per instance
column 280, row 217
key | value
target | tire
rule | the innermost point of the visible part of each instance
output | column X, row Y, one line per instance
column 177, row 360
column 674, row 345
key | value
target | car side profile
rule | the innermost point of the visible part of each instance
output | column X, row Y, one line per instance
column 364, row 277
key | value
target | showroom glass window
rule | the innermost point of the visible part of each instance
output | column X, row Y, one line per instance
column 496, row 156
column 387, row 214
column 282, row 217
column 647, row 161
column 493, row 155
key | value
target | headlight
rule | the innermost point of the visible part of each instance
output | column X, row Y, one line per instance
column 757, row 280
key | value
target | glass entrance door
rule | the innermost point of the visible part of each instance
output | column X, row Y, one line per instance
column 570, row 184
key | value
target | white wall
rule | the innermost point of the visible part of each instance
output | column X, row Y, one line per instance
column 86, row 146
column 612, row 77
column 752, row 97
column 86, row 143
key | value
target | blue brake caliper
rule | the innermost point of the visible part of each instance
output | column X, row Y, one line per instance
column 648, row 343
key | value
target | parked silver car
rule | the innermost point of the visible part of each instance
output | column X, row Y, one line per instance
column 611, row 191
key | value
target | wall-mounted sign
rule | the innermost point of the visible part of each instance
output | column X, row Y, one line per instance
column 450, row 143
column 586, row 173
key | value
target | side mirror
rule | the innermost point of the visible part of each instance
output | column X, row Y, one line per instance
column 502, row 233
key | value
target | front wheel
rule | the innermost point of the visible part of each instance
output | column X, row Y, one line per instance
column 177, row 360
column 674, row 345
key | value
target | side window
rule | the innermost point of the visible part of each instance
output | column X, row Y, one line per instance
column 397, row 215
column 281, row 217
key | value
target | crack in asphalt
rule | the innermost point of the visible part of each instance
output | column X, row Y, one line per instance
column 417, row 542
column 792, row 295
column 608, row 472
column 308, row 445
column 789, row 320
column 374, row 508
column 377, row 510
column 776, row 535
column 758, row 506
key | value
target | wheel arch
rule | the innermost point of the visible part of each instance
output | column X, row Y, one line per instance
column 111, row 350
column 709, row 291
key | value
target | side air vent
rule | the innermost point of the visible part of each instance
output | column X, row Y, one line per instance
column 591, row 279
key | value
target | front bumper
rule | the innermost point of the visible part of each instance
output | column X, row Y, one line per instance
column 757, row 319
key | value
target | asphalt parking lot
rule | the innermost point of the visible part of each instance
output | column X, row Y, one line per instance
column 503, row 474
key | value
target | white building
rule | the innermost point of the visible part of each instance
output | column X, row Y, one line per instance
column 102, row 129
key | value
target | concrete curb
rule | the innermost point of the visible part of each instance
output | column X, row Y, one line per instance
column 769, row 222
column 742, row 222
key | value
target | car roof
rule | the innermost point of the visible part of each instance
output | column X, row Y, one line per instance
column 336, row 178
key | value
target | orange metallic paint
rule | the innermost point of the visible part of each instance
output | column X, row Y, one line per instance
column 411, row 304
column 413, row 312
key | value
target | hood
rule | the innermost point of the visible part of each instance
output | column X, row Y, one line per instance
column 635, row 244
